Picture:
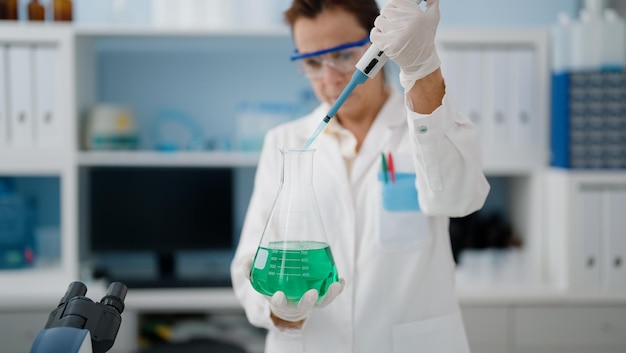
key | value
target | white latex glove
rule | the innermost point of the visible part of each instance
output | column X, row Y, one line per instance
column 290, row 311
column 406, row 34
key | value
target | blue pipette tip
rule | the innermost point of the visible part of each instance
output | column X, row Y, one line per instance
column 357, row 78
column 319, row 129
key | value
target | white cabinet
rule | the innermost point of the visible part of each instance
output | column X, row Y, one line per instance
column 545, row 326
column 487, row 328
column 585, row 229
column 4, row 111
column 19, row 329
column 499, row 79
column 37, row 91
column 570, row 329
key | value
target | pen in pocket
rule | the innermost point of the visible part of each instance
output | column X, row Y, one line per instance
column 384, row 167
column 392, row 170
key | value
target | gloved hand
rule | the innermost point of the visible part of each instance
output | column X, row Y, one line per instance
column 290, row 311
column 407, row 36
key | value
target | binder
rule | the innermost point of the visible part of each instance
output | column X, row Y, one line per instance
column 4, row 111
column 47, row 129
column 523, row 113
column 586, row 254
column 450, row 71
column 471, row 88
column 498, row 102
column 21, row 123
column 614, row 239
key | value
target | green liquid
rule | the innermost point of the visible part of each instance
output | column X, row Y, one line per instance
column 293, row 267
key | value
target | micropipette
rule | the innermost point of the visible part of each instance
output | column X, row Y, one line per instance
column 367, row 67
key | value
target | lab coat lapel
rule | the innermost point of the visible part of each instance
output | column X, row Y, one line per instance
column 328, row 156
column 388, row 122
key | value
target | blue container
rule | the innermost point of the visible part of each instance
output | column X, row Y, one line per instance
column 17, row 248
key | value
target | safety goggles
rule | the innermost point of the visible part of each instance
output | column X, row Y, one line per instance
column 341, row 58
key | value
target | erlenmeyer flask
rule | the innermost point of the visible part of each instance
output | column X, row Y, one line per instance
column 294, row 255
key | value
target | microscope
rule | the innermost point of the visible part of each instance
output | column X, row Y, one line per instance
column 80, row 325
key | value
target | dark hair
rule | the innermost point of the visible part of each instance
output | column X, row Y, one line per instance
column 365, row 11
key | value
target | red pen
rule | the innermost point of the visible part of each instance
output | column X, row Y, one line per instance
column 391, row 168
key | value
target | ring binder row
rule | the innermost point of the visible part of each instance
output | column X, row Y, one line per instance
column 589, row 120
column 586, row 230
column 496, row 87
column 28, row 114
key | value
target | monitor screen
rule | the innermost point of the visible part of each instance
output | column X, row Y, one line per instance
column 166, row 213
column 160, row 209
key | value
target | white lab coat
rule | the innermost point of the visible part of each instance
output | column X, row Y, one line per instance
column 399, row 295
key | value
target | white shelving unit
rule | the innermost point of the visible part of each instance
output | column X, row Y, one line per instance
column 513, row 148
column 491, row 307
column 587, row 251
column 47, row 111
column 523, row 164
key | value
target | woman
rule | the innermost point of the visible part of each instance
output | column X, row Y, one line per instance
column 397, row 290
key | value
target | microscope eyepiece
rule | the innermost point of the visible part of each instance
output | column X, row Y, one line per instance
column 75, row 289
column 116, row 293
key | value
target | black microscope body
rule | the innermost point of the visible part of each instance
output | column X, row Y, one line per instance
column 78, row 322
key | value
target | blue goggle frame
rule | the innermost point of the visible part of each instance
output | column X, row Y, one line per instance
column 297, row 56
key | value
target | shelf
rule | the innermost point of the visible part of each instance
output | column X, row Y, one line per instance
column 167, row 159
column 511, row 35
column 21, row 31
column 519, row 295
column 514, row 160
column 166, row 40
column 32, row 162
column 162, row 31
column 595, row 176
column 28, row 287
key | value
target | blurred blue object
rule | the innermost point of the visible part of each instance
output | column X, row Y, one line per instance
column 175, row 130
column 17, row 244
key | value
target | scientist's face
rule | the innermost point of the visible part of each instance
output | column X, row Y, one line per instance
column 331, row 29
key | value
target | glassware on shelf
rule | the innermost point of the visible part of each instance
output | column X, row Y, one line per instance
column 62, row 10
column 294, row 255
column 36, row 11
column 9, row 10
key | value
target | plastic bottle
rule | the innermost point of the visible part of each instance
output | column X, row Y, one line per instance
column 614, row 41
column 561, row 38
column 587, row 40
column 36, row 11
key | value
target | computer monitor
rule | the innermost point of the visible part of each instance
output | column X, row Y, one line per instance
column 161, row 210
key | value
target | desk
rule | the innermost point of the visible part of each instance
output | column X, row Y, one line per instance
column 513, row 319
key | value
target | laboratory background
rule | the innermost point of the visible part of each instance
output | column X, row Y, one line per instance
column 129, row 126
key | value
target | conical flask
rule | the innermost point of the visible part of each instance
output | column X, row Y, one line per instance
column 293, row 255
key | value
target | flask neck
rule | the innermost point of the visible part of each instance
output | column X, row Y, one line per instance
column 297, row 166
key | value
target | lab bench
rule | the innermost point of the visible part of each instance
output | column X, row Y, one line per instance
column 512, row 319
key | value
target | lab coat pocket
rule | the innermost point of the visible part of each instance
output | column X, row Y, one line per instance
column 442, row 334
column 402, row 226
column 399, row 194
